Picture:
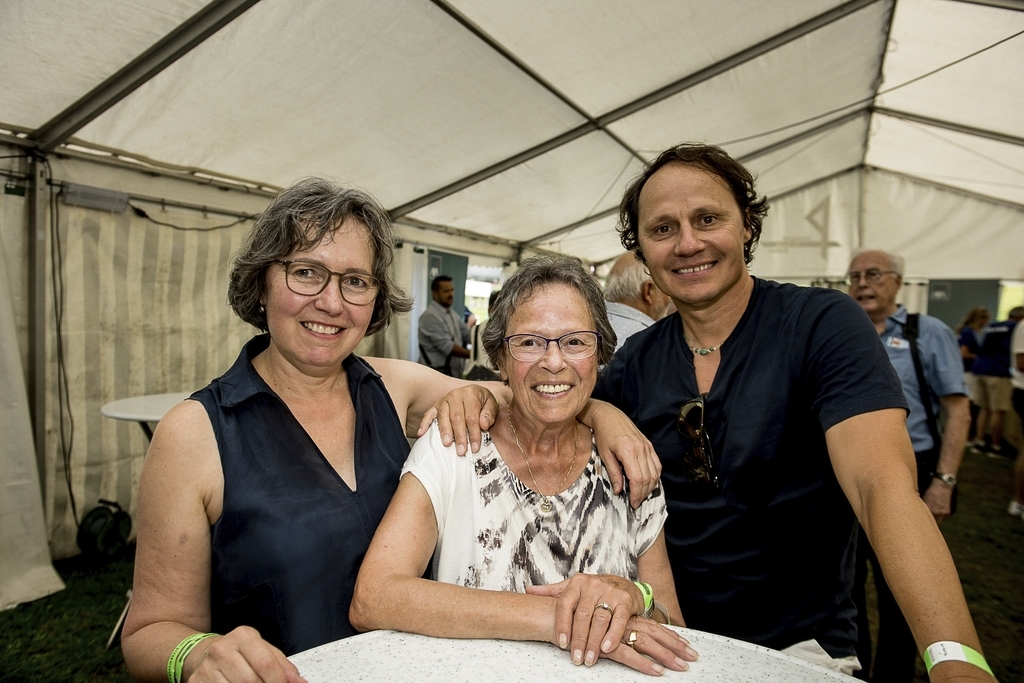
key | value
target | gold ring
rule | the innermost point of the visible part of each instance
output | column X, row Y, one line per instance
column 604, row 605
column 632, row 639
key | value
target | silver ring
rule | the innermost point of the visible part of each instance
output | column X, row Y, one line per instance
column 604, row 605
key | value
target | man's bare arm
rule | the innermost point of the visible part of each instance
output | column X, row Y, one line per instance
column 874, row 463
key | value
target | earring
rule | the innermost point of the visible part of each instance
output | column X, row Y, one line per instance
column 263, row 309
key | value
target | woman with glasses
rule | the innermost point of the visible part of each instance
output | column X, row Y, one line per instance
column 259, row 496
column 532, row 515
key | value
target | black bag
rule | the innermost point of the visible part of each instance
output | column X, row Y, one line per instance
column 482, row 373
column 103, row 533
column 445, row 369
column 930, row 459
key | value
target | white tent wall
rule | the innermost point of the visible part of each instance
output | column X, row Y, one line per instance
column 25, row 570
column 943, row 233
column 145, row 313
column 14, row 247
column 810, row 233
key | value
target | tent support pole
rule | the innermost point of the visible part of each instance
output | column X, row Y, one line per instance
column 165, row 52
column 40, row 194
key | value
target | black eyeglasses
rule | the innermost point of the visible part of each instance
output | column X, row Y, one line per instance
column 698, row 461
column 869, row 275
column 309, row 279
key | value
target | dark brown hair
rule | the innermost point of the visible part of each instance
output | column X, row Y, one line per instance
column 709, row 159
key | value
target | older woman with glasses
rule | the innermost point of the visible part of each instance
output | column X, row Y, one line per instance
column 259, row 496
column 532, row 515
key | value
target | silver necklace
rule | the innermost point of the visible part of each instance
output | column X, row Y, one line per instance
column 545, row 501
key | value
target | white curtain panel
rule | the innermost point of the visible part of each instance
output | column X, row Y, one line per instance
column 25, row 570
column 146, row 313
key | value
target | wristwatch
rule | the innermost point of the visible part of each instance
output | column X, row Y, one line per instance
column 947, row 479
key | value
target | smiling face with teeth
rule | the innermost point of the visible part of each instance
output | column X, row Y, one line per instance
column 692, row 232
column 549, row 392
column 314, row 334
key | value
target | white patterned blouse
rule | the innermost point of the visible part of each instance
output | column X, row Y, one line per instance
column 493, row 534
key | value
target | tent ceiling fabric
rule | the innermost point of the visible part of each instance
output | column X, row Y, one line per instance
column 54, row 52
column 517, row 120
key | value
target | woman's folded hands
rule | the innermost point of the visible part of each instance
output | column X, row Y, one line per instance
column 598, row 616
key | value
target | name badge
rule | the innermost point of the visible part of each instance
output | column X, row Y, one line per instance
column 898, row 343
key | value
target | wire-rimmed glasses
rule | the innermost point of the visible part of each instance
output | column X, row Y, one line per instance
column 869, row 275
column 528, row 348
column 697, row 459
column 309, row 279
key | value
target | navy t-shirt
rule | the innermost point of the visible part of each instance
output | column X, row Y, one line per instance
column 994, row 355
column 769, row 558
column 969, row 338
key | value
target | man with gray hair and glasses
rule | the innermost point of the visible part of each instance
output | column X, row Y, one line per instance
column 634, row 302
column 924, row 352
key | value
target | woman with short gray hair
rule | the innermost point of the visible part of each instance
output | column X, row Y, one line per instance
column 541, row 271
column 533, row 514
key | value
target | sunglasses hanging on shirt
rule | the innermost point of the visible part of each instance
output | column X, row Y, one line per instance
column 697, row 458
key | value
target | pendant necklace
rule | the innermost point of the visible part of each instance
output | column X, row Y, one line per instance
column 545, row 501
column 704, row 351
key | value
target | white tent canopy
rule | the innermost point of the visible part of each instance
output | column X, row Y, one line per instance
column 486, row 128
column 524, row 122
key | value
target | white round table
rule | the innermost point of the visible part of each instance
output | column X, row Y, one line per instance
column 390, row 656
column 143, row 409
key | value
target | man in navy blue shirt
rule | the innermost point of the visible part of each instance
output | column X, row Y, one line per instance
column 778, row 418
column 780, row 422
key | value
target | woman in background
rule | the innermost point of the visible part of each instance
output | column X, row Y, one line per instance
column 968, row 336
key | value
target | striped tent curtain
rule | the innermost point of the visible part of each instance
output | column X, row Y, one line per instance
column 145, row 312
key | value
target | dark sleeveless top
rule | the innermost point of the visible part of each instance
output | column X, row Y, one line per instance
column 291, row 537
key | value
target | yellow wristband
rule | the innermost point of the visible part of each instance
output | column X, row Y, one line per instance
column 177, row 660
column 947, row 650
column 648, row 593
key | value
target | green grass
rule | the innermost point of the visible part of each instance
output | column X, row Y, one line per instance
column 60, row 638
column 988, row 547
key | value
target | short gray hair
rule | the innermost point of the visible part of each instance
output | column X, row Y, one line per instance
column 896, row 262
column 627, row 283
column 539, row 271
column 300, row 217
